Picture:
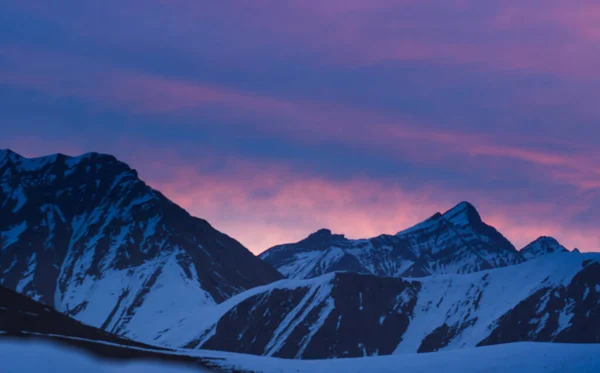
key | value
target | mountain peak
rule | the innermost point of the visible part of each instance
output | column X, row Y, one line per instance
column 7, row 153
column 546, row 239
column 542, row 246
column 68, row 163
column 463, row 214
column 324, row 235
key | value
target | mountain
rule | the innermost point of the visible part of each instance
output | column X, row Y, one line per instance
column 457, row 241
column 86, row 236
column 555, row 298
column 542, row 246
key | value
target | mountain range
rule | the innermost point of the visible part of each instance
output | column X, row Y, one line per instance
column 89, row 241
column 457, row 241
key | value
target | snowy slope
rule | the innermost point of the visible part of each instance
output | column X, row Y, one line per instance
column 88, row 237
column 542, row 246
column 554, row 298
column 43, row 357
column 457, row 241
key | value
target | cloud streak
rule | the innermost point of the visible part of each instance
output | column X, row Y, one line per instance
column 278, row 118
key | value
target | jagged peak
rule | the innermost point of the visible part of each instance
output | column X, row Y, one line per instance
column 8, row 156
column 541, row 246
column 320, row 238
column 54, row 156
column 544, row 239
column 37, row 163
column 7, row 153
column 463, row 214
column 324, row 235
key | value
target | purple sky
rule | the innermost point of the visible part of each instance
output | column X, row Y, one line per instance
column 272, row 119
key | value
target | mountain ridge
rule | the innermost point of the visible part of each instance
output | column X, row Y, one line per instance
column 542, row 246
column 457, row 241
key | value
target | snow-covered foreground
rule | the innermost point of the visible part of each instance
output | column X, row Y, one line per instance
column 23, row 356
column 510, row 358
column 35, row 356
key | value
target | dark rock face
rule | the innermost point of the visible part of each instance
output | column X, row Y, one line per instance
column 439, row 338
column 85, row 235
column 344, row 315
column 366, row 310
column 457, row 241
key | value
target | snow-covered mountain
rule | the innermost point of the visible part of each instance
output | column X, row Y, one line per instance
column 457, row 241
column 86, row 236
column 555, row 298
column 542, row 246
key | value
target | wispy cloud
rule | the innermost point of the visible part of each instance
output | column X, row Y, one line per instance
column 420, row 103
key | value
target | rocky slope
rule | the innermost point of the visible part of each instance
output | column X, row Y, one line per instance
column 86, row 236
column 555, row 298
column 457, row 241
